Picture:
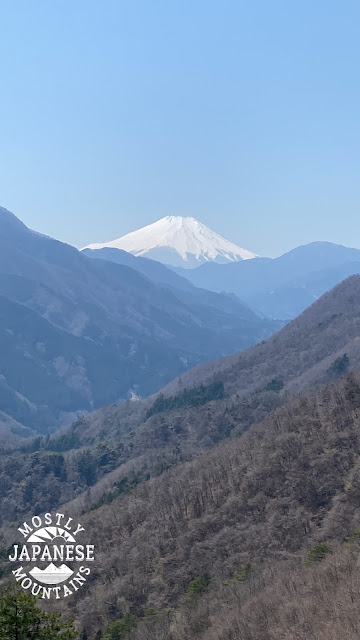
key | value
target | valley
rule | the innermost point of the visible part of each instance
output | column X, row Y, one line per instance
column 239, row 471
column 234, row 471
column 91, row 332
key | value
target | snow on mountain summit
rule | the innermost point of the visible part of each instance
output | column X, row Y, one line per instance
column 179, row 242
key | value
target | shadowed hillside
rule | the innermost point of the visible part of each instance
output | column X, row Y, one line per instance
column 80, row 333
column 300, row 353
column 106, row 453
column 216, row 547
column 195, row 514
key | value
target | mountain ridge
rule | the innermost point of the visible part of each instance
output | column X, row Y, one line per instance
column 119, row 331
column 236, row 493
column 332, row 321
column 143, row 437
column 281, row 287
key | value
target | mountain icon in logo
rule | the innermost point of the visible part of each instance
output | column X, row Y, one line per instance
column 52, row 574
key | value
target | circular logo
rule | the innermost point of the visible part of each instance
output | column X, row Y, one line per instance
column 53, row 561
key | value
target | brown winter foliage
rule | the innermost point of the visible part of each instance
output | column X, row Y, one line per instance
column 263, row 499
column 300, row 353
column 83, row 462
column 202, row 524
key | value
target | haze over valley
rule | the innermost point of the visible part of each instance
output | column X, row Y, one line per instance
column 94, row 332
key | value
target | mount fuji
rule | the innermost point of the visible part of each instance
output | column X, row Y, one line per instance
column 179, row 242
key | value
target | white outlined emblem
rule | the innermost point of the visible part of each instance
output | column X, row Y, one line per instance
column 53, row 561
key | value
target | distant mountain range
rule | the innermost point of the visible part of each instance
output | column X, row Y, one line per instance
column 278, row 288
column 296, row 359
column 180, row 242
column 274, row 490
column 207, row 404
column 222, row 502
column 76, row 333
column 300, row 355
column 281, row 287
column 156, row 271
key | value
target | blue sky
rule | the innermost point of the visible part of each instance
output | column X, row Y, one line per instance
column 244, row 115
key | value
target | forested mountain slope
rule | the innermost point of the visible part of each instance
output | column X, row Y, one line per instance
column 230, row 545
column 205, row 528
column 299, row 354
column 91, row 332
column 88, row 459
column 320, row 345
column 138, row 440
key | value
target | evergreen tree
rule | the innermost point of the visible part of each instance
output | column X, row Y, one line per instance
column 121, row 628
column 21, row 619
column 340, row 366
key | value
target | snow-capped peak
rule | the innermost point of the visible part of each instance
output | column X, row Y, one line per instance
column 178, row 241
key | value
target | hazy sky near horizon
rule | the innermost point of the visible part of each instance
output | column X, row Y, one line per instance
column 242, row 114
